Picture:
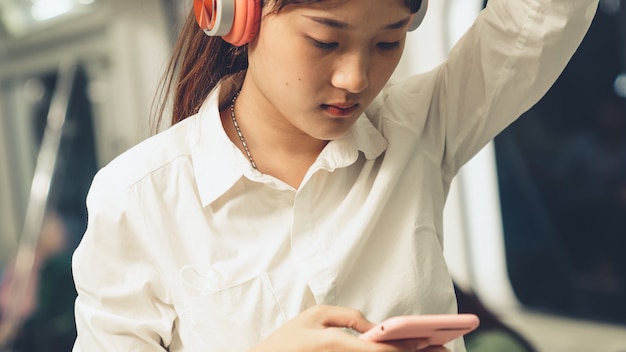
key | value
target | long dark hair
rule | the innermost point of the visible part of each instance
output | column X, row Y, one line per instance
column 199, row 62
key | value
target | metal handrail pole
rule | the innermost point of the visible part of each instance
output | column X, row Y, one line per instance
column 37, row 204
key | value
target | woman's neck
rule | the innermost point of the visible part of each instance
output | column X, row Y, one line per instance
column 277, row 147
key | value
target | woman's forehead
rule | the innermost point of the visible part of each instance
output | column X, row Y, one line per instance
column 326, row 4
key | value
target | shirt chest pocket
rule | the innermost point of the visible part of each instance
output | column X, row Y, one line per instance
column 217, row 315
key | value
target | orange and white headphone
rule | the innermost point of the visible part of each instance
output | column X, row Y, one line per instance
column 237, row 21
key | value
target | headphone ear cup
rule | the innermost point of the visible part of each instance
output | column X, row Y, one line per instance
column 215, row 17
column 418, row 17
column 246, row 22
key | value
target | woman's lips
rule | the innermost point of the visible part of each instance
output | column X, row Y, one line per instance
column 340, row 110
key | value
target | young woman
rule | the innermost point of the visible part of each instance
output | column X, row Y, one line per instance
column 298, row 197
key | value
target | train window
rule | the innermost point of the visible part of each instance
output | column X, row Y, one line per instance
column 562, row 180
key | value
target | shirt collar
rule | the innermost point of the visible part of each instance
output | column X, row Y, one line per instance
column 219, row 164
column 343, row 152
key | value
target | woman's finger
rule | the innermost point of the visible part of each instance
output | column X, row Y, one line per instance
column 340, row 317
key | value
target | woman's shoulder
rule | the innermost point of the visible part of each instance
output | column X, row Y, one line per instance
column 153, row 153
column 405, row 102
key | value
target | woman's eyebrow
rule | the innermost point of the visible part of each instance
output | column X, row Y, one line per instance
column 343, row 25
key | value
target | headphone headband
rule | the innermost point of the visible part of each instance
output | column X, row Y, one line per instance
column 237, row 21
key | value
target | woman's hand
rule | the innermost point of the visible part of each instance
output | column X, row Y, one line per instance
column 316, row 330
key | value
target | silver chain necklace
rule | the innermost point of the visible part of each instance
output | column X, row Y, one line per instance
column 243, row 141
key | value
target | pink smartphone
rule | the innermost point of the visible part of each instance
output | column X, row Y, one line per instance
column 439, row 329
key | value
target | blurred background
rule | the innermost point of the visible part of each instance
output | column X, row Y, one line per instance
column 535, row 224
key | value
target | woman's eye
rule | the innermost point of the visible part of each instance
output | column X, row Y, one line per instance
column 324, row 45
column 388, row 45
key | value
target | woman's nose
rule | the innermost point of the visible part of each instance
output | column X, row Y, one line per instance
column 351, row 73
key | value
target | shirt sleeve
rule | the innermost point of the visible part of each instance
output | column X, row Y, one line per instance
column 507, row 62
column 121, row 304
column 503, row 65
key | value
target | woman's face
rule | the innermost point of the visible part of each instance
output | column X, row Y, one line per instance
column 315, row 68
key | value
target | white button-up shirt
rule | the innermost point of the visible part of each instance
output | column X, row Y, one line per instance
column 189, row 248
